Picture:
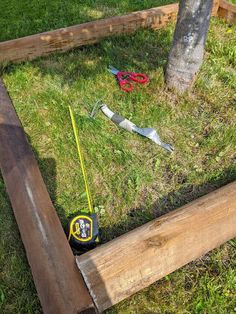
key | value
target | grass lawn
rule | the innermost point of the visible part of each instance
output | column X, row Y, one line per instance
column 132, row 180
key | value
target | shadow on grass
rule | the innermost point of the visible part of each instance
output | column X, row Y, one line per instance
column 173, row 200
column 48, row 169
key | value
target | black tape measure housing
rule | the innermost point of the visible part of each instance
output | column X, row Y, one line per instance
column 82, row 231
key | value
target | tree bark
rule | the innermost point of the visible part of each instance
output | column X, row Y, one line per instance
column 187, row 50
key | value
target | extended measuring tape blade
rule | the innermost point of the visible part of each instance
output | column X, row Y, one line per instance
column 82, row 230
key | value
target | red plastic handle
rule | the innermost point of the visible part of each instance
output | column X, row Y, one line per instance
column 139, row 78
column 124, row 79
column 126, row 85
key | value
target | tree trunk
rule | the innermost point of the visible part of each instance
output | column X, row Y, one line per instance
column 187, row 50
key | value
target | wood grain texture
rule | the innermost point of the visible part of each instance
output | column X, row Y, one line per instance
column 227, row 11
column 59, row 284
column 133, row 261
column 60, row 40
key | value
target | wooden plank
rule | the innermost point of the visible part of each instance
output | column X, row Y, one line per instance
column 59, row 284
column 133, row 261
column 60, row 40
column 228, row 6
column 215, row 7
column 227, row 11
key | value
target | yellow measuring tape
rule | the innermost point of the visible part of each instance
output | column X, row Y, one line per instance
column 76, row 133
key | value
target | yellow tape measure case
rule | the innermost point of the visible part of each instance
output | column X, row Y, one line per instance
column 82, row 231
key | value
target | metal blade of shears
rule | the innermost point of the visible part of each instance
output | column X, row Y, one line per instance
column 113, row 70
column 153, row 136
column 131, row 127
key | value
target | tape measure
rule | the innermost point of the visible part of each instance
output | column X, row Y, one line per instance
column 82, row 230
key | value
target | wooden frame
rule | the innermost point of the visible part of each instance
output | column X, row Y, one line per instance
column 116, row 270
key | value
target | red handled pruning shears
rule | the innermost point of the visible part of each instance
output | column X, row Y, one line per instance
column 125, row 78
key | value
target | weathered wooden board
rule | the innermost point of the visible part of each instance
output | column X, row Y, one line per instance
column 227, row 11
column 116, row 270
column 59, row 284
column 63, row 39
